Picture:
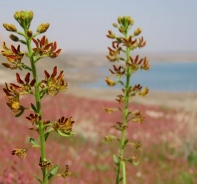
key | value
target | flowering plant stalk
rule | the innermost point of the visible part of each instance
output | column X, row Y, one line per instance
column 51, row 85
column 121, row 52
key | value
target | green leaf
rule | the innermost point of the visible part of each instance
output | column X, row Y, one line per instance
column 122, row 83
column 135, row 163
column 52, row 172
column 38, row 179
column 125, row 142
column 33, row 107
column 42, row 93
column 46, row 135
column 33, row 141
column 132, row 162
column 26, row 67
column 116, row 161
column 23, row 42
column 120, row 109
column 20, row 113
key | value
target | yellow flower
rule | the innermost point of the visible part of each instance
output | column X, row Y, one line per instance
column 12, row 97
column 137, row 117
column 65, row 173
column 13, row 55
column 43, row 28
column 109, row 110
column 64, row 125
column 110, row 82
column 144, row 91
column 21, row 153
column 10, row 27
column 137, row 31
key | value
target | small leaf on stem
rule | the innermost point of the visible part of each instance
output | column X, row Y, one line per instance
column 33, row 141
column 116, row 161
column 38, row 180
column 52, row 172
column 33, row 107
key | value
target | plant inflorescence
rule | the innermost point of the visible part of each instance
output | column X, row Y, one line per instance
column 51, row 85
column 122, row 46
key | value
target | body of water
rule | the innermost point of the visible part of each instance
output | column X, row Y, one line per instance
column 162, row 76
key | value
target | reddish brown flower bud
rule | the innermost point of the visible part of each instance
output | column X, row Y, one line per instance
column 29, row 33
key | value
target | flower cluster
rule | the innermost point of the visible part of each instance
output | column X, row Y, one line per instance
column 120, row 45
column 12, row 98
column 26, row 85
column 13, row 55
column 44, row 48
column 24, row 18
column 34, row 118
column 53, row 83
column 63, row 125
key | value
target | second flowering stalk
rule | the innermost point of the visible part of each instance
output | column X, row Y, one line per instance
column 120, row 52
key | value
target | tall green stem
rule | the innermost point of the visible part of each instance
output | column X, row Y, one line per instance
column 125, row 117
column 38, row 107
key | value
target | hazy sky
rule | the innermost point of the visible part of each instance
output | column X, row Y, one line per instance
column 81, row 25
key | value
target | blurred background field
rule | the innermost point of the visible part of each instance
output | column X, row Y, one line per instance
column 169, row 132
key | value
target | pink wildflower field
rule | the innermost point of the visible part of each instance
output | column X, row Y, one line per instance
column 168, row 154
